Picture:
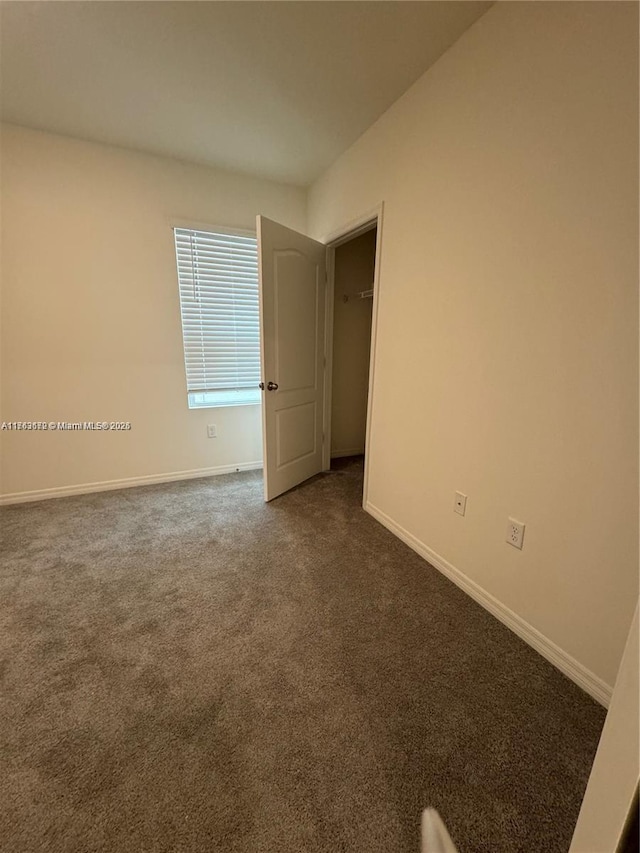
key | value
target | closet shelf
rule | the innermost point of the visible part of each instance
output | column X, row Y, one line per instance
column 363, row 294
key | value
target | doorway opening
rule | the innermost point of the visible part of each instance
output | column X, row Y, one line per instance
column 353, row 272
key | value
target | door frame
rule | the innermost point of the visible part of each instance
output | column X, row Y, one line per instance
column 366, row 222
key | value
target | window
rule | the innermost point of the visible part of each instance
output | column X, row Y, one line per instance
column 218, row 280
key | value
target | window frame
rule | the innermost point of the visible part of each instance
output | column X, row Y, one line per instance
column 251, row 398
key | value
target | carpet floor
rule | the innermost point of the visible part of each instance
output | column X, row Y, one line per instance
column 186, row 669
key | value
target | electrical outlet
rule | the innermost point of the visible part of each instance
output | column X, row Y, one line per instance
column 515, row 533
column 212, row 431
column 460, row 503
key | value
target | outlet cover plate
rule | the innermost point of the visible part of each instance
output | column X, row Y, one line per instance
column 212, row 431
column 515, row 533
column 460, row 503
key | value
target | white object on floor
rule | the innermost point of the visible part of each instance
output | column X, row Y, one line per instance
column 435, row 838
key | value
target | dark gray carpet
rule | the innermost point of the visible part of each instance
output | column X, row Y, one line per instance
column 185, row 668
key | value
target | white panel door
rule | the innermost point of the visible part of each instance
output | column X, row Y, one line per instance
column 292, row 326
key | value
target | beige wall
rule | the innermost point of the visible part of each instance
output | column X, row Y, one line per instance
column 354, row 268
column 507, row 350
column 91, row 317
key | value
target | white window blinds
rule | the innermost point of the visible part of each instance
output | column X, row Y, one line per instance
column 218, row 280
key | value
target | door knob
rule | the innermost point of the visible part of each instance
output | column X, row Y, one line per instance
column 272, row 386
column 261, row 386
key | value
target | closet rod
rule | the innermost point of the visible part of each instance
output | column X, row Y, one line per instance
column 363, row 294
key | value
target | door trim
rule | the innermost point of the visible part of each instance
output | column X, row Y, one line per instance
column 369, row 220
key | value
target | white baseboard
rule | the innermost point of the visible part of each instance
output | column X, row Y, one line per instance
column 573, row 669
column 128, row 483
column 356, row 451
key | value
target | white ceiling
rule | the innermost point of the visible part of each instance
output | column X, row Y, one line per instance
column 275, row 89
